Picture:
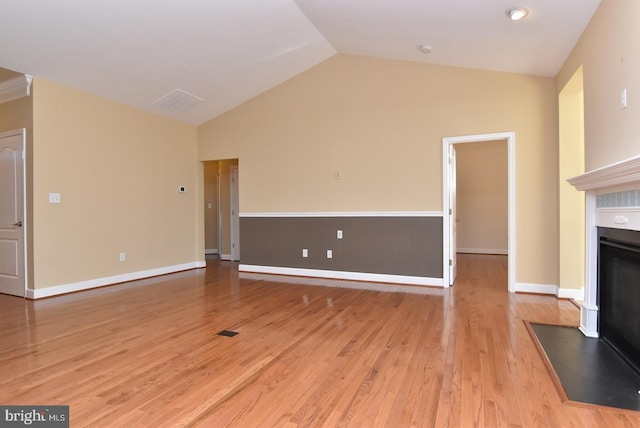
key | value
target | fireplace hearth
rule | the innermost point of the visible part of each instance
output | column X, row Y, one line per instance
column 619, row 292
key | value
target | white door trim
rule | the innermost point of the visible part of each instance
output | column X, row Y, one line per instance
column 23, row 134
column 446, row 237
column 235, row 212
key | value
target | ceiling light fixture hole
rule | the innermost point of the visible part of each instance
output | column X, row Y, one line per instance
column 516, row 13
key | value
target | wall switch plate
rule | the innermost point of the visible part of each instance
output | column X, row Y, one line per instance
column 209, row 205
column 329, row 254
column 123, row 257
column 339, row 234
column 623, row 99
column 305, row 252
column 54, row 198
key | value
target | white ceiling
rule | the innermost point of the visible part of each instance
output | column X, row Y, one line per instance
column 228, row 51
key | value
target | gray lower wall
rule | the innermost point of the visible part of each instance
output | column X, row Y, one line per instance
column 381, row 245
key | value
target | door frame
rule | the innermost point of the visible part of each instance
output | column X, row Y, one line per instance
column 22, row 132
column 234, row 199
column 510, row 137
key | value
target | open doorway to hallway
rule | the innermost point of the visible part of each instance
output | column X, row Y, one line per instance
column 482, row 205
column 450, row 200
column 221, row 216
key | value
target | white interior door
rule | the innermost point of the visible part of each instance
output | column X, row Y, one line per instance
column 235, row 219
column 12, row 236
column 453, row 264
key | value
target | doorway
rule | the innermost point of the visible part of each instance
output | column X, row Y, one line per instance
column 449, row 202
column 12, row 213
column 221, row 205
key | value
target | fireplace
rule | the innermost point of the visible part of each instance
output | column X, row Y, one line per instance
column 619, row 291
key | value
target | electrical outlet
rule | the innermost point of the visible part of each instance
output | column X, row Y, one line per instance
column 305, row 252
column 123, row 257
column 623, row 99
column 329, row 254
column 54, row 198
column 339, row 234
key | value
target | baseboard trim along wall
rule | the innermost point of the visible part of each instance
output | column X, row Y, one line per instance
column 225, row 257
column 211, row 251
column 56, row 290
column 348, row 214
column 491, row 251
column 554, row 290
column 343, row 275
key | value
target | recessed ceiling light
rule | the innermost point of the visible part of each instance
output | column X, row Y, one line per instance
column 424, row 49
column 516, row 13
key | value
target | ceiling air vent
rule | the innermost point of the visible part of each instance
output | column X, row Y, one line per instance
column 178, row 101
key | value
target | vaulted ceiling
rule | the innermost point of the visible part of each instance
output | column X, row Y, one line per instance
column 224, row 52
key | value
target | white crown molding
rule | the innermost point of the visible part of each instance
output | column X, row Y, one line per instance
column 621, row 173
column 15, row 88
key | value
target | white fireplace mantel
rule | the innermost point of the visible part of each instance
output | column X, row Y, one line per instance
column 618, row 177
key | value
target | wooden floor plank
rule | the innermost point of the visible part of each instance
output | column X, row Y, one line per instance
column 147, row 353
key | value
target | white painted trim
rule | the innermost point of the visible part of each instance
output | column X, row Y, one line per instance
column 39, row 293
column 618, row 218
column 348, row 214
column 225, row 257
column 211, row 251
column 570, row 293
column 330, row 282
column 356, row 276
column 522, row 287
column 483, row 251
column 589, row 320
column 589, row 308
column 234, row 212
column 17, row 87
column 621, row 173
column 511, row 149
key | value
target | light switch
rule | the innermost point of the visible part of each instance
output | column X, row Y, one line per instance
column 339, row 234
column 329, row 254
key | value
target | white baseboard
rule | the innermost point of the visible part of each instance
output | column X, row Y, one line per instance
column 554, row 290
column 355, row 276
column 482, row 251
column 225, row 257
column 55, row 290
column 522, row 287
column 571, row 293
column 211, row 251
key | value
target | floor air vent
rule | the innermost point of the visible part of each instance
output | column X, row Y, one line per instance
column 227, row 333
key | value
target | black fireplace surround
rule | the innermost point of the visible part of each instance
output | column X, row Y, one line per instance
column 619, row 292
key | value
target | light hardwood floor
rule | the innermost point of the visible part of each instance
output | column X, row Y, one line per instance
column 146, row 354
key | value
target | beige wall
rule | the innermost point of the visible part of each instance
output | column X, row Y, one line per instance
column 482, row 197
column 608, row 51
column 571, row 212
column 380, row 124
column 117, row 170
